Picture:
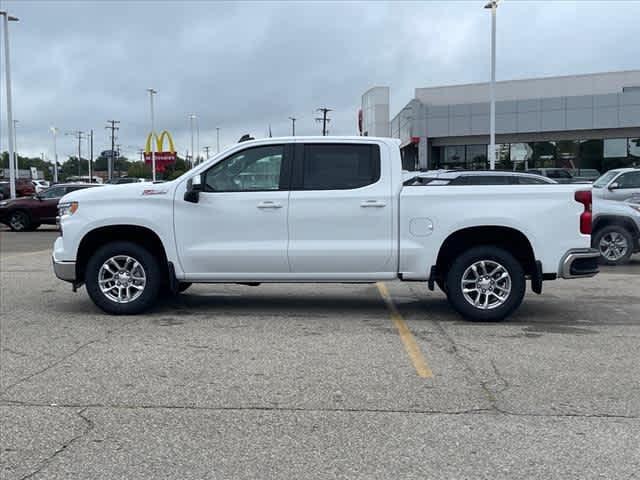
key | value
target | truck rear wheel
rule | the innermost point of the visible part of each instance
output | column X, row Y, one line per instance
column 485, row 284
column 123, row 278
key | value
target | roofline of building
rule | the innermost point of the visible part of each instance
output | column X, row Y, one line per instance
column 581, row 75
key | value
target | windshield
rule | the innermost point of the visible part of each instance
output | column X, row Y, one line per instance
column 604, row 179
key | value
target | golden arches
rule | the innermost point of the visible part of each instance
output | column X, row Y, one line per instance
column 159, row 142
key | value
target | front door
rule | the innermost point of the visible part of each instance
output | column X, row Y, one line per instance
column 341, row 212
column 238, row 229
column 628, row 187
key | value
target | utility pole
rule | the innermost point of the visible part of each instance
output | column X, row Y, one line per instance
column 192, row 117
column 141, row 153
column 217, row 139
column 293, row 126
column 79, row 135
column 152, row 92
column 324, row 119
column 206, row 152
column 113, row 128
column 117, row 162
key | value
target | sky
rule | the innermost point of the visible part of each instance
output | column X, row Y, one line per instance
column 245, row 66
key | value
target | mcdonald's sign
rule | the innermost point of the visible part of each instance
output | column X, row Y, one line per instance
column 163, row 157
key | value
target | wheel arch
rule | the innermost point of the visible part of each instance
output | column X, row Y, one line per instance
column 604, row 221
column 508, row 238
column 137, row 234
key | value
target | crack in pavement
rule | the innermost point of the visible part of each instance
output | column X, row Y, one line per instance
column 65, row 357
column 88, row 427
column 473, row 411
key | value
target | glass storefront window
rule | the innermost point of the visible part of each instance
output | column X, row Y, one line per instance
column 634, row 147
column 521, row 156
column 544, row 154
column 567, row 154
column 615, row 147
column 590, row 154
column 477, row 157
column 454, row 157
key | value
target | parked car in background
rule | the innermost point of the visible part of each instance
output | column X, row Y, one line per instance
column 560, row 175
column 40, row 185
column 84, row 179
column 121, row 180
column 622, row 184
column 584, row 174
column 475, row 177
column 25, row 214
column 24, row 188
column 616, row 230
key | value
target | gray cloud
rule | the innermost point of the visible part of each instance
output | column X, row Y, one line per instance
column 243, row 66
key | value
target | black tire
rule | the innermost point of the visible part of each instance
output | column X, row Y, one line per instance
column 503, row 307
column 442, row 285
column 606, row 232
column 34, row 226
column 152, row 271
column 182, row 286
column 19, row 221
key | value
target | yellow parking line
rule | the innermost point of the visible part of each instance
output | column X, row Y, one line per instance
column 409, row 341
column 26, row 254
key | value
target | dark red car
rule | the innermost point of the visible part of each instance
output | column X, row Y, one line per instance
column 24, row 188
column 28, row 213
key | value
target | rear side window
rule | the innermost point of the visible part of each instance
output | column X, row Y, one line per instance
column 340, row 166
column 531, row 181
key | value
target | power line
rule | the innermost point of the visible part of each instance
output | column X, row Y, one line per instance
column 324, row 119
column 113, row 129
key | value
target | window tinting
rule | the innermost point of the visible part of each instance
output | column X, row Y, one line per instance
column 55, row 192
column 531, row 181
column 254, row 169
column 340, row 166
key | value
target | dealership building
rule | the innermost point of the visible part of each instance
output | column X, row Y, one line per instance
column 576, row 122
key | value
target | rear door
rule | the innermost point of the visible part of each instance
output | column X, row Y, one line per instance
column 340, row 211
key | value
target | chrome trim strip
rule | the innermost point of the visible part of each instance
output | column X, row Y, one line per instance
column 573, row 255
column 65, row 270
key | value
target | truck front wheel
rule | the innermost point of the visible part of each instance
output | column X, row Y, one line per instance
column 485, row 284
column 123, row 278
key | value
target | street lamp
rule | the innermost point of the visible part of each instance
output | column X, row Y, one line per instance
column 493, row 6
column 12, row 173
column 152, row 92
column 54, row 130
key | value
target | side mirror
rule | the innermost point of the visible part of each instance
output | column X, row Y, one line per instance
column 195, row 185
column 614, row 186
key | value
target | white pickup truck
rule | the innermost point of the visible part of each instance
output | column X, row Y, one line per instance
column 328, row 209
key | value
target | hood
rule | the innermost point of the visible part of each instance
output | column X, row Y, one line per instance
column 16, row 201
column 118, row 192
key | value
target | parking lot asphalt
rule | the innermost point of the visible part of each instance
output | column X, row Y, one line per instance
column 315, row 381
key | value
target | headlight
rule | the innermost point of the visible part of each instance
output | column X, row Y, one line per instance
column 67, row 208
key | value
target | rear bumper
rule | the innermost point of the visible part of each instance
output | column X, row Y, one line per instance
column 64, row 270
column 579, row 263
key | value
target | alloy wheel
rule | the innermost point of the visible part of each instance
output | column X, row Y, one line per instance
column 486, row 284
column 122, row 279
column 613, row 246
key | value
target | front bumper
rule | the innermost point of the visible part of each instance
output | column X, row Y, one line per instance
column 579, row 263
column 64, row 270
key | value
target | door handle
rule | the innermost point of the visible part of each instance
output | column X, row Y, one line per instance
column 269, row 204
column 373, row 204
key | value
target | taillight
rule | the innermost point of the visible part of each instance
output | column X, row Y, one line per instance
column 585, row 198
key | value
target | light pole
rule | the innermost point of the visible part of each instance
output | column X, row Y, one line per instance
column 493, row 6
column 152, row 92
column 54, row 130
column 192, row 117
column 293, row 126
column 217, row 139
column 206, row 152
column 16, row 166
column 12, row 173
column 78, row 134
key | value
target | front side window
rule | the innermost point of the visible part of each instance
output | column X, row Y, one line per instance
column 629, row 180
column 340, row 166
column 255, row 169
